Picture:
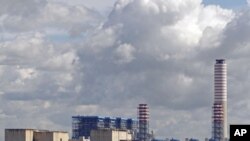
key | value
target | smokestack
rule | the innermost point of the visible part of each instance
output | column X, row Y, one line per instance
column 220, row 101
column 143, row 117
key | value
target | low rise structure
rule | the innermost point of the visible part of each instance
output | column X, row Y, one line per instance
column 19, row 134
column 187, row 139
column 80, row 139
column 110, row 135
column 35, row 135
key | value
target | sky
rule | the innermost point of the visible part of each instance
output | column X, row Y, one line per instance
column 227, row 4
column 61, row 58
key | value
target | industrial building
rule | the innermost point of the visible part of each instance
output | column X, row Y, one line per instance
column 110, row 135
column 172, row 139
column 187, row 139
column 219, row 118
column 83, row 125
column 35, row 135
column 19, row 134
column 143, row 118
column 207, row 139
column 80, row 139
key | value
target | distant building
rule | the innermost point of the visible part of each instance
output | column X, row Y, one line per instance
column 83, row 125
column 187, row 139
column 110, row 135
column 80, row 139
column 167, row 139
column 19, row 134
column 226, row 139
column 35, row 135
column 160, row 140
column 174, row 139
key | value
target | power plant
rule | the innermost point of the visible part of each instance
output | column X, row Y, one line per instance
column 97, row 128
column 219, row 127
column 83, row 125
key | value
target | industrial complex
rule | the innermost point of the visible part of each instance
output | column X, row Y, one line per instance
column 83, row 125
column 97, row 128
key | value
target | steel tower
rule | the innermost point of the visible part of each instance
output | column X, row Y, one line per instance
column 220, row 101
column 143, row 117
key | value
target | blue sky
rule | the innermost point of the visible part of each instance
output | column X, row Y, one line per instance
column 227, row 3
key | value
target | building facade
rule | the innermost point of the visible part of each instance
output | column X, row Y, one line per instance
column 187, row 139
column 19, row 134
column 110, row 135
column 80, row 139
column 35, row 135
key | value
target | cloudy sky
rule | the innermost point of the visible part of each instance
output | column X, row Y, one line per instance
column 60, row 58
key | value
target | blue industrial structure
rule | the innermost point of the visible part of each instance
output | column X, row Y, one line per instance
column 174, row 140
column 158, row 140
column 82, row 125
column 193, row 139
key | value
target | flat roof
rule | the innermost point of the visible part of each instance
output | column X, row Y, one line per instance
column 35, row 130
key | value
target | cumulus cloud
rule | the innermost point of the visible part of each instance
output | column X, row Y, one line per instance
column 186, row 22
column 44, row 16
column 124, row 53
column 59, row 60
column 26, row 7
column 104, row 5
column 162, row 64
column 31, row 63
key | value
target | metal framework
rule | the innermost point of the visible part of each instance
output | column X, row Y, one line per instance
column 82, row 125
column 143, row 117
column 218, row 122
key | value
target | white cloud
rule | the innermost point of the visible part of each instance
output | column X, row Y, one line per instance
column 41, row 16
column 90, row 109
column 176, row 23
column 65, row 61
column 124, row 53
column 26, row 7
column 101, row 39
column 27, row 73
column 59, row 60
column 95, row 4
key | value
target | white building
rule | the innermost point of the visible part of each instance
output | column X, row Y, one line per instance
column 110, row 135
column 35, row 135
